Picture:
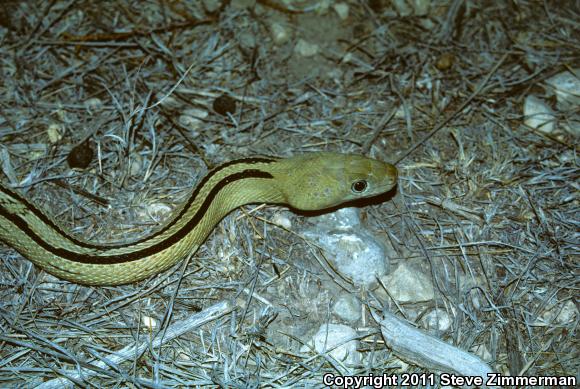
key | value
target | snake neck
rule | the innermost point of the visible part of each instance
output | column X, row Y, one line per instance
column 247, row 187
column 219, row 192
column 37, row 236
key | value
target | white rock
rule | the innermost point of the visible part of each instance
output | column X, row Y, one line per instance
column 336, row 337
column 282, row 220
column 400, row 112
column 154, row 211
column 354, row 251
column 568, row 313
column 280, row 34
column 342, row 10
column 136, row 165
column 306, row 49
column 149, row 322
column 437, row 319
column 406, row 284
column 566, row 86
column 356, row 255
column 538, row 115
column 55, row 132
column 361, row 257
column 347, row 307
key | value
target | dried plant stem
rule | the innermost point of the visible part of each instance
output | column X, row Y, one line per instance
column 135, row 350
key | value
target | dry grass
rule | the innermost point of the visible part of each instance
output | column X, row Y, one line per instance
column 489, row 206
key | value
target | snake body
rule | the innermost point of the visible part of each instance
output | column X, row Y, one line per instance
column 307, row 182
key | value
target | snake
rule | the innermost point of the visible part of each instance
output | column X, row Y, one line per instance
column 314, row 181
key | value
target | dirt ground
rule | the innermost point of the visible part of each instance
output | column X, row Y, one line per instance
column 458, row 94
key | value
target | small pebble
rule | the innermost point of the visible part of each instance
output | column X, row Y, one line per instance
column 566, row 85
column 136, row 165
column 539, row 115
column 280, row 34
column 347, row 307
column 306, row 49
column 336, row 337
column 224, row 105
column 55, row 132
column 407, row 284
column 445, row 61
column 156, row 211
column 341, row 10
column 437, row 320
column 149, row 322
column 282, row 221
column 80, row 156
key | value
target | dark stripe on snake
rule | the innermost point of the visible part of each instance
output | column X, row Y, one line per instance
column 187, row 205
column 103, row 259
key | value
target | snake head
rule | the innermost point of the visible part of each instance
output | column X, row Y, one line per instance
column 318, row 181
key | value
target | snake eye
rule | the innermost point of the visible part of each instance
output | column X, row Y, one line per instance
column 359, row 186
